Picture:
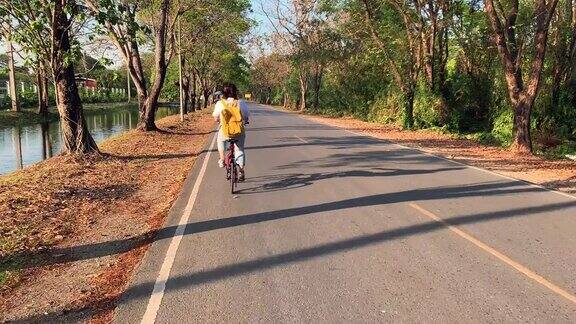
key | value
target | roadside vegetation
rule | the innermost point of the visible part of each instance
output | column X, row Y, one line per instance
column 59, row 217
column 499, row 72
column 29, row 116
column 168, row 50
column 192, row 38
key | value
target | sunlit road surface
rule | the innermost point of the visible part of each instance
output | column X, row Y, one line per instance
column 331, row 226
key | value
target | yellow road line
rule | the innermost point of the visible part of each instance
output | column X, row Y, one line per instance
column 520, row 268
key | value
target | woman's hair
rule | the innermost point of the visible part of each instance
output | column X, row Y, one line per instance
column 229, row 90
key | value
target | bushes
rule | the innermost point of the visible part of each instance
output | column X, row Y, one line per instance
column 100, row 96
column 502, row 127
column 387, row 108
column 26, row 99
column 29, row 99
column 428, row 108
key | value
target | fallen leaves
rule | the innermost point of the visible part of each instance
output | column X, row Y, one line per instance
column 63, row 206
column 554, row 174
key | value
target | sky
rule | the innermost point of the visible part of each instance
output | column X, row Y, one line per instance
column 262, row 26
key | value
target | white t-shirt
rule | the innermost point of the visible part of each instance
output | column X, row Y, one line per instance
column 243, row 108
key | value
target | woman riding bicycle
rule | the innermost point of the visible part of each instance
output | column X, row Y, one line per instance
column 230, row 99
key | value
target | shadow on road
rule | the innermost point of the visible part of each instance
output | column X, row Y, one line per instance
column 298, row 180
column 363, row 163
column 101, row 249
column 223, row 272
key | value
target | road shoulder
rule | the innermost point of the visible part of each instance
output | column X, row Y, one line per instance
column 557, row 175
column 78, row 228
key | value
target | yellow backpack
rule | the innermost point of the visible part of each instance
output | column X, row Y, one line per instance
column 231, row 119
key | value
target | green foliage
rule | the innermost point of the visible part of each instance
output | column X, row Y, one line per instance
column 502, row 128
column 101, row 96
column 427, row 108
column 387, row 108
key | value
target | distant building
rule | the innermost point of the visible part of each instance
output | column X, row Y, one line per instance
column 86, row 83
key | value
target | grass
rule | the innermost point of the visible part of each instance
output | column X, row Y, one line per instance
column 97, row 107
column 29, row 116
column 24, row 117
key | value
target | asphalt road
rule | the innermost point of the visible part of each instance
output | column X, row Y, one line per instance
column 335, row 227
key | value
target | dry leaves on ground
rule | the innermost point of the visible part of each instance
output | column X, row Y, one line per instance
column 553, row 174
column 78, row 227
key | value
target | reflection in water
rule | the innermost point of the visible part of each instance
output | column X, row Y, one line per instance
column 46, row 143
column 23, row 146
column 17, row 143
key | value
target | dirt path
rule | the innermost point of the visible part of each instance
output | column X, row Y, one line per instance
column 57, row 217
column 553, row 174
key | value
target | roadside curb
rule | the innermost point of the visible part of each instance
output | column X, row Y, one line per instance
column 134, row 300
column 435, row 155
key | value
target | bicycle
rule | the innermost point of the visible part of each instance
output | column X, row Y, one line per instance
column 230, row 163
column 231, row 166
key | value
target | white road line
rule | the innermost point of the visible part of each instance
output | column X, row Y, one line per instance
column 302, row 140
column 160, row 284
column 422, row 151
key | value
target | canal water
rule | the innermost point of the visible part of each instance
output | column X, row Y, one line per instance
column 24, row 146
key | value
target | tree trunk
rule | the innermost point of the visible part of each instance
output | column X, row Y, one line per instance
column 186, row 92
column 303, row 78
column 285, row 95
column 147, row 118
column 555, row 89
column 522, row 142
column 42, row 98
column 318, row 85
column 193, row 95
column 46, row 93
column 128, row 86
column 206, row 97
column 181, row 62
column 408, row 118
column 76, row 137
column 11, row 76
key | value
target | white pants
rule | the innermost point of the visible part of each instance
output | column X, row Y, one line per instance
column 239, row 147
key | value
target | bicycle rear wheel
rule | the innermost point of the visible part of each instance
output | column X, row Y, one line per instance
column 233, row 177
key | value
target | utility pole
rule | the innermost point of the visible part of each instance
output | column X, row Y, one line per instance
column 11, row 77
column 128, row 82
column 180, row 70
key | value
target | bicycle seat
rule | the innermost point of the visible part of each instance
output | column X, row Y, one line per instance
column 232, row 140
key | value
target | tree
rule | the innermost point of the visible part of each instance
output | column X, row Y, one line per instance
column 269, row 73
column 406, row 65
column 77, row 138
column 119, row 19
column 299, row 25
column 212, row 33
column 35, row 50
column 56, row 19
column 521, row 91
column 563, row 32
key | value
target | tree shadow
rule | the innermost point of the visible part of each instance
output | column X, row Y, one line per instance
column 306, row 127
column 58, row 255
column 365, row 159
column 168, row 156
column 169, row 131
column 295, row 181
column 269, row 262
